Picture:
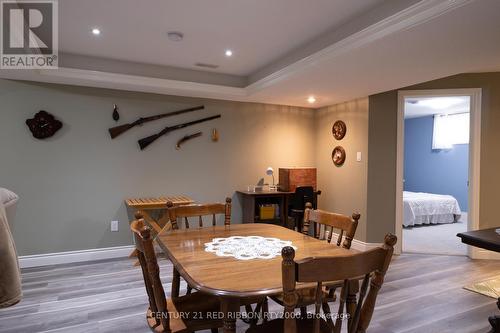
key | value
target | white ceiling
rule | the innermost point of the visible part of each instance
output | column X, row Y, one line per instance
column 429, row 106
column 257, row 31
column 276, row 45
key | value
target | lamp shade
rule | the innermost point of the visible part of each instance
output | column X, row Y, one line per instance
column 269, row 171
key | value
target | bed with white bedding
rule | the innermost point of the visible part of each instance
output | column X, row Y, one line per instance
column 426, row 208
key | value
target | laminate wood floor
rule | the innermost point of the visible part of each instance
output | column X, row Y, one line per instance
column 422, row 293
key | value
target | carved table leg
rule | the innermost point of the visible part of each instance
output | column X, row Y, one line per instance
column 230, row 308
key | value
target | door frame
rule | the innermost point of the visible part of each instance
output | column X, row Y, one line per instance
column 474, row 156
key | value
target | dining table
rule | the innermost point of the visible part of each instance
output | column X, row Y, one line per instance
column 231, row 279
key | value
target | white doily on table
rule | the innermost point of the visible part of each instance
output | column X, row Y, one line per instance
column 247, row 247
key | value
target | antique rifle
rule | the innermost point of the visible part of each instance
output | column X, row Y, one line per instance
column 143, row 143
column 118, row 130
column 187, row 138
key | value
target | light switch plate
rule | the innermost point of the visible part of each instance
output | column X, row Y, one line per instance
column 358, row 156
column 114, row 225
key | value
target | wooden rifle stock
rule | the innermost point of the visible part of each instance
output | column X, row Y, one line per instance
column 144, row 142
column 118, row 130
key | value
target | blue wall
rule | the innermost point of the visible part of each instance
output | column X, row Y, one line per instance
column 434, row 171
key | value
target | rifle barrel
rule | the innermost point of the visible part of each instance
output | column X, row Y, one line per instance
column 144, row 142
column 119, row 130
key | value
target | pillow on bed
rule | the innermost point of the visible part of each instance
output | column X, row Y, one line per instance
column 8, row 197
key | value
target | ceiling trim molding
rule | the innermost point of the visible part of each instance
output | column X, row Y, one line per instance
column 108, row 80
column 412, row 16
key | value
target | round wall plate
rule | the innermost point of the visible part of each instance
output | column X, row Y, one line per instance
column 338, row 156
column 339, row 129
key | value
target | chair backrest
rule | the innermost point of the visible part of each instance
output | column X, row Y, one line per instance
column 150, row 271
column 345, row 224
column 371, row 266
column 302, row 195
column 199, row 210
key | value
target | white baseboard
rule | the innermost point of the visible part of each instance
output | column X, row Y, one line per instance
column 357, row 244
column 74, row 256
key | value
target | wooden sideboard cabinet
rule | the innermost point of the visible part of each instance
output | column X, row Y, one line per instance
column 251, row 201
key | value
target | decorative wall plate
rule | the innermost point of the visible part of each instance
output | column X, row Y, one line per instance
column 43, row 125
column 338, row 156
column 339, row 130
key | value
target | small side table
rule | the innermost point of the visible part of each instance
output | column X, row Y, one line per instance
column 487, row 239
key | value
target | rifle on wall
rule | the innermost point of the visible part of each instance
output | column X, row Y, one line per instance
column 143, row 143
column 118, row 130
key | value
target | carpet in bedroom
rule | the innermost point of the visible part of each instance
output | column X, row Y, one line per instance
column 436, row 238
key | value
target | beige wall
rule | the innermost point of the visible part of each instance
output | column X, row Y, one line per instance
column 344, row 189
column 72, row 185
column 382, row 147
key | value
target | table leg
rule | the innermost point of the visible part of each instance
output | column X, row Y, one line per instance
column 230, row 307
column 495, row 321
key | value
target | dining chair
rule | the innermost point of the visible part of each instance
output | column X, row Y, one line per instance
column 175, row 315
column 330, row 221
column 200, row 211
column 370, row 267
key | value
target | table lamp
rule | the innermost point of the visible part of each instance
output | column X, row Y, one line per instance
column 270, row 172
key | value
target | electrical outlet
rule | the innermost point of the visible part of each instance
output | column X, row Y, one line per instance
column 114, row 225
column 358, row 156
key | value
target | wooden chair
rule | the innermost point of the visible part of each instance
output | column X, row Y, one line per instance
column 199, row 210
column 195, row 210
column 331, row 221
column 370, row 266
column 182, row 314
column 202, row 210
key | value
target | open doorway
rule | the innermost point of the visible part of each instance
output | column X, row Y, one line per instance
column 437, row 170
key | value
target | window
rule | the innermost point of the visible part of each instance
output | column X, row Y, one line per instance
column 450, row 130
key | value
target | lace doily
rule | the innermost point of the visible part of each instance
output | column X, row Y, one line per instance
column 247, row 247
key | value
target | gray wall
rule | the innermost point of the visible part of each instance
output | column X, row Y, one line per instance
column 344, row 188
column 72, row 185
column 382, row 147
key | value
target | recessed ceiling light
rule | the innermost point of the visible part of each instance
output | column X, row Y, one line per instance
column 228, row 53
column 96, row 31
column 311, row 99
column 175, row 36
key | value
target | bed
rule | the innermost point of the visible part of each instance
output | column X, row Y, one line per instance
column 426, row 208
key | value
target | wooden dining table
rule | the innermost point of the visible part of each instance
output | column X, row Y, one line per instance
column 231, row 279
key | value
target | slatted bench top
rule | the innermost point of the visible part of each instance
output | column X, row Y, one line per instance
column 159, row 202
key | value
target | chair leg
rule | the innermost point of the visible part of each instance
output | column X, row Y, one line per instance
column 265, row 310
column 256, row 314
column 303, row 312
column 189, row 289
column 328, row 314
column 249, row 311
column 214, row 330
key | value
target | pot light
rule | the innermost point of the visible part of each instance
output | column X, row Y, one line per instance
column 311, row 99
column 96, row 31
column 175, row 36
column 228, row 53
